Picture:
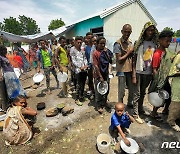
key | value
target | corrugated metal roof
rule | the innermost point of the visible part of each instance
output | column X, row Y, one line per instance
column 146, row 11
column 115, row 8
column 60, row 31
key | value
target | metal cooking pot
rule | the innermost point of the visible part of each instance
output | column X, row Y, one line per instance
column 157, row 98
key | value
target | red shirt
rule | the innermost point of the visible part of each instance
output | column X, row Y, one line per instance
column 96, row 57
column 19, row 61
column 156, row 60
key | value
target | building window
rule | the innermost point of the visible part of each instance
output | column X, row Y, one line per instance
column 97, row 31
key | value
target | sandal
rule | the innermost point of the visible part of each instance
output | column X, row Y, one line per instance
column 138, row 120
column 166, row 112
column 78, row 103
column 176, row 128
column 100, row 110
column 155, row 116
column 142, row 112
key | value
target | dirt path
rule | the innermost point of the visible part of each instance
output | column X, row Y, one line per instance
column 77, row 132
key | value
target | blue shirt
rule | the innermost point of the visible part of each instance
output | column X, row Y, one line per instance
column 123, row 121
column 88, row 53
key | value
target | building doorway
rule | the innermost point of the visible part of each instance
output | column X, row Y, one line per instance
column 97, row 31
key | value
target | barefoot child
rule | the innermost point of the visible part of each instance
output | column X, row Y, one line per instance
column 16, row 128
column 120, row 121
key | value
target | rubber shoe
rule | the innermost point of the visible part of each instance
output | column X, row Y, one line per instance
column 78, row 102
column 176, row 128
column 89, row 92
column 127, row 131
column 68, row 96
column 139, row 120
column 100, row 110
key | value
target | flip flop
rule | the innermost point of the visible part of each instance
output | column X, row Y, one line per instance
column 165, row 112
column 78, row 103
column 155, row 116
column 176, row 128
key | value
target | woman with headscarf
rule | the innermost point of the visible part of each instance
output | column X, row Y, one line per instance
column 142, row 71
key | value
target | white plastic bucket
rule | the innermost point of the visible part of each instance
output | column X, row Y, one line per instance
column 103, row 143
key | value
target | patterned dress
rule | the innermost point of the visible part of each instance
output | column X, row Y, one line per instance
column 12, row 83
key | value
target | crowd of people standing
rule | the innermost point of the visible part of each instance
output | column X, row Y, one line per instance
column 142, row 66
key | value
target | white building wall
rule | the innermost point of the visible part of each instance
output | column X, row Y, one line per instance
column 133, row 15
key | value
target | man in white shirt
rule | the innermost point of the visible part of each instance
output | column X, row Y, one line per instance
column 80, row 66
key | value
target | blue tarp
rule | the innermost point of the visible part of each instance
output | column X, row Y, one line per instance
column 176, row 40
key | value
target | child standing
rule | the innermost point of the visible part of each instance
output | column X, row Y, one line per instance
column 16, row 128
column 120, row 121
column 165, row 38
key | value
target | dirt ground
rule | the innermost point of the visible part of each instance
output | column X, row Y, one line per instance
column 77, row 132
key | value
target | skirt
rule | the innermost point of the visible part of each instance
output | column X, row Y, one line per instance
column 13, row 85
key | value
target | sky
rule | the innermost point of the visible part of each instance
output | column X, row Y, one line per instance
column 165, row 12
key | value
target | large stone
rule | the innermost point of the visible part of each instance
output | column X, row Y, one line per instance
column 34, row 86
column 67, row 110
column 52, row 112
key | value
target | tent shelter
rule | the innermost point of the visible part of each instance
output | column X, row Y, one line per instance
column 28, row 39
column 13, row 38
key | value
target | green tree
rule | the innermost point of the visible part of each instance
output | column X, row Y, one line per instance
column 177, row 33
column 28, row 25
column 171, row 29
column 11, row 25
column 168, row 28
column 25, row 25
column 54, row 24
